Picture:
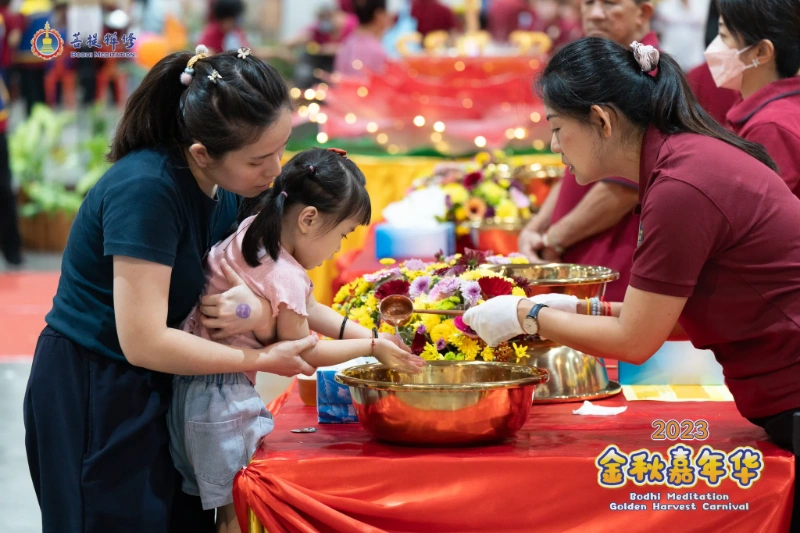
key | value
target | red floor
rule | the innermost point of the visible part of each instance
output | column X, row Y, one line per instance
column 25, row 298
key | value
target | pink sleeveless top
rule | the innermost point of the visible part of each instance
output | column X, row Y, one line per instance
column 283, row 281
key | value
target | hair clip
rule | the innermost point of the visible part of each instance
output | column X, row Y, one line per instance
column 311, row 169
column 214, row 76
column 285, row 194
column 201, row 52
column 243, row 52
column 339, row 151
column 647, row 56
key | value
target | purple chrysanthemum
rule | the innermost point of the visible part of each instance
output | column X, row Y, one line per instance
column 422, row 330
column 415, row 264
column 440, row 344
column 381, row 275
column 419, row 286
column 471, row 292
column 445, row 288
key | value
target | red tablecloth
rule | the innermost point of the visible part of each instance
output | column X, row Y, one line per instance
column 543, row 480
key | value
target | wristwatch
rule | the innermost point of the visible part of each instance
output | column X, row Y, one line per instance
column 531, row 322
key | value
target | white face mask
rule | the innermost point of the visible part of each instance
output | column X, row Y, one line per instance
column 726, row 66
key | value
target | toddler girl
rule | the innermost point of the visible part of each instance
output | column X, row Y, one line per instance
column 217, row 421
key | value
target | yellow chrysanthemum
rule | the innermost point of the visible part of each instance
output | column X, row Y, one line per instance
column 487, row 353
column 457, row 193
column 520, row 351
column 372, row 302
column 386, row 328
column 442, row 330
column 470, row 348
column 362, row 287
column 479, row 273
column 363, row 317
column 431, row 321
column 343, row 293
column 483, row 158
column 518, row 291
column 462, row 230
column 460, row 214
column 430, row 353
column 507, row 209
column 387, row 261
column 504, row 183
column 525, row 212
column 519, row 261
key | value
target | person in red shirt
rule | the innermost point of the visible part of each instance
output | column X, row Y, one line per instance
column 719, row 240
column 432, row 15
column 223, row 31
column 594, row 225
column 759, row 58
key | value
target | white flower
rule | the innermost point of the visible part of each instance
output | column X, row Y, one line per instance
column 243, row 52
column 214, row 76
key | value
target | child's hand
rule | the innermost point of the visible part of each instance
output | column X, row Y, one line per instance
column 396, row 340
column 392, row 356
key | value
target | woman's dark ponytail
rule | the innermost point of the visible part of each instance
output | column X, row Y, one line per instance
column 597, row 71
column 676, row 110
column 151, row 116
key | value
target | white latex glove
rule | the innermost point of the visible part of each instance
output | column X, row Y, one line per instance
column 496, row 320
column 559, row 302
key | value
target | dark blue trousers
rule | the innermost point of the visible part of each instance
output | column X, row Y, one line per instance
column 98, row 447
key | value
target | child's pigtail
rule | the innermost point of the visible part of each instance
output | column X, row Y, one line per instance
column 266, row 228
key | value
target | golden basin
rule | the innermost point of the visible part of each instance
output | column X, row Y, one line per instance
column 574, row 376
column 450, row 403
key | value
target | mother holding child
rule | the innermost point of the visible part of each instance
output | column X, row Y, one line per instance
column 137, row 418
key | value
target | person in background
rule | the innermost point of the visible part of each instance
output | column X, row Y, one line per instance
column 713, row 99
column 329, row 30
column 757, row 55
column 224, row 31
column 681, row 26
column 363, row 50
column 594, row 225
column 10, row 239
column 12, row 24
column 557, row 19
column 432, row 15
column 507, row 16
column 31, row 68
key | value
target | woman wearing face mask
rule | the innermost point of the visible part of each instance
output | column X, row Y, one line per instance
column 757, row 53
column 201, row 132
column 719, row 240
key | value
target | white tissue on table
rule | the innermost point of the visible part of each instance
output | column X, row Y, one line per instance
column 418, row 209
column 588, row 408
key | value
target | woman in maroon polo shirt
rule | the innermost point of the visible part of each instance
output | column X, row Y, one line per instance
column 719, row 241
column 757, row 53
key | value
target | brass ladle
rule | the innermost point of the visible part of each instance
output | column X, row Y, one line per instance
column 397, row 309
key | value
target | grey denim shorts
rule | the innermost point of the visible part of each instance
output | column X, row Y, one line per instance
column 216, row 422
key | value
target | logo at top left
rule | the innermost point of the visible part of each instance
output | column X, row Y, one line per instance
column 47, row 43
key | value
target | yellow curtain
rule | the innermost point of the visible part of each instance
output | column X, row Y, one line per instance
column 388, row 179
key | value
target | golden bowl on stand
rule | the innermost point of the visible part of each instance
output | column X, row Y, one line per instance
column 574, row 376
column 451, row 403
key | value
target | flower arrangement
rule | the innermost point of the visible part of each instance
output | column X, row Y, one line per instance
column 486, row 188
column 455, row 282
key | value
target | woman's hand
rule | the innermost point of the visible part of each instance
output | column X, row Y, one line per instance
column 237, row 310
column 286, row 358
column 388, row 353
column 496, row 320
column 396, row 340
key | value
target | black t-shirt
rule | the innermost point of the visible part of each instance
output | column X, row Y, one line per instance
column 147, row 206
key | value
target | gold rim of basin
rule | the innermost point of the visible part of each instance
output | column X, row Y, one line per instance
column 528, row 375
column 589, row 274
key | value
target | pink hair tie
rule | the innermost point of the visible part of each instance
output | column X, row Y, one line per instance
column 311, row 168
column 284, row 194
column 647, row 56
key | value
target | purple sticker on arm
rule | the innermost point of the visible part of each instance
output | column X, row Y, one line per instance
column 243, row 311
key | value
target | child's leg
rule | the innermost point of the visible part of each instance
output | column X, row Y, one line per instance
column 226, row 520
